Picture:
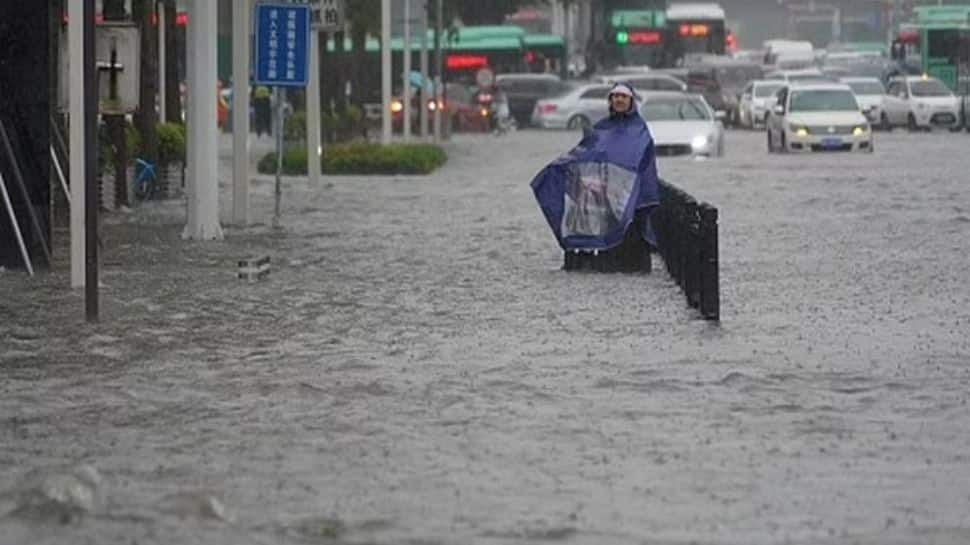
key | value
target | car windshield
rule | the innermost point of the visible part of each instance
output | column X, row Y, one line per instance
column 762, row 91
column 823, row 100
column 674, row 109
column 866, row 87
column 928, row 88
column 808, row 77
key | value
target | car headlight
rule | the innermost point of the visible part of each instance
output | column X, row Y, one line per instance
column 859, row 130
column 699, row 142
column 397, row 106
column 800, row 130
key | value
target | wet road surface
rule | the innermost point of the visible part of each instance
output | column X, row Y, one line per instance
column 417, row 368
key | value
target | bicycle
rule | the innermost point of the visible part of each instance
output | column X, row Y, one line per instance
column 145, row 185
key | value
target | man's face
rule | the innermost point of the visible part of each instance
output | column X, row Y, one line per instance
column 621, row 103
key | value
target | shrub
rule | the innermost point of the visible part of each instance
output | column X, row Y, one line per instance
column 171, row 143
column 362, row 158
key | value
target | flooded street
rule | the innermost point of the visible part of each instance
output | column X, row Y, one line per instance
column 418, row 370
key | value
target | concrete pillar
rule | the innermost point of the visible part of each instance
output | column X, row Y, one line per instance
column 203, row 136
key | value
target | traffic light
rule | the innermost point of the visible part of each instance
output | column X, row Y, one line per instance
column 622, row 37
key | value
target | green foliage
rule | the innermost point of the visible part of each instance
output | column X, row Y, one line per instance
column 294, row 127
column 362, row 158
column 171, row 143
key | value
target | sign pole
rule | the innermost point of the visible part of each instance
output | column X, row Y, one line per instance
column 385, row 72
column 279, row 154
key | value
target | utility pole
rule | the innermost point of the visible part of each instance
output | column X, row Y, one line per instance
column 406, row 83
column 440, row 72
column 241, row 15
column 385, row 72
column 424, row 71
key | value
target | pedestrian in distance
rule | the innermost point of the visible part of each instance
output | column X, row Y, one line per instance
column 263, row 110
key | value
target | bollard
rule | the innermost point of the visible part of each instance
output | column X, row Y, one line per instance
column 711, row 292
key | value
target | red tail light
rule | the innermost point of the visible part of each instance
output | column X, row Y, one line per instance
column 548, row 108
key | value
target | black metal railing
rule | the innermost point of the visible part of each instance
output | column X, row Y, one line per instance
column 687, row 239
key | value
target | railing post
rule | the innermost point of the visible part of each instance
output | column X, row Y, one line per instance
column 710, row 292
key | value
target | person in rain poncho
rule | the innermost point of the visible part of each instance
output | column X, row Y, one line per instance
column 592, row 195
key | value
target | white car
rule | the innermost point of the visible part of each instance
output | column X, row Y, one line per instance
column 682, row 124
column 577, row 107
column 817, row 117
column 756, row 98
column 920, row 102
column 870, row 93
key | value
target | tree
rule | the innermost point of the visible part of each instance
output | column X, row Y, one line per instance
column 147, row 117
column 114, row 10
column 360, row 15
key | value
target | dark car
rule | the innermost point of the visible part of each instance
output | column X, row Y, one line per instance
column 721, row 83
column 524, row 90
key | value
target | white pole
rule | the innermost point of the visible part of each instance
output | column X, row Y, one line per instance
column 385, row 72
column 241, row 14
column 406, row 83
column 203, row 136
column 424, row 72
column 161, row 63
column 313, row 112
column 75, row 35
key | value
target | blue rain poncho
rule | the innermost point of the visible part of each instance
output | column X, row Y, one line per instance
column 591, row 195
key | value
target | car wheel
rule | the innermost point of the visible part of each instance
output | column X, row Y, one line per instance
column 771, row 145
column 884, row 122
column 578, row 122
column 911, row 123
column 783, row 144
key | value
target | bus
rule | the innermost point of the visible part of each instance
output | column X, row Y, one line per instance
column 637, row 38
column 944, row 33
column 695, row 29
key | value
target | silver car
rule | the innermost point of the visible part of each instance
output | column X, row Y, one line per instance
column 756, row 99
column 682, row 124
column 577, row 108
column 645, row 82
column 869, row 93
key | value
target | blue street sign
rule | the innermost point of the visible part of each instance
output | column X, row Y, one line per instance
column 282, row 45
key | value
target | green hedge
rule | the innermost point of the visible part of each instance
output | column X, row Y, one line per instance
column 362, row 158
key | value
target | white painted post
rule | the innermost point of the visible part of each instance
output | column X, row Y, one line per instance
column 424, row 72
column 406, row 78
column 161, row 63
column 385, row 72
column 241, row 16
column 75, row 35
column 313, row 136
column 203, row 136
